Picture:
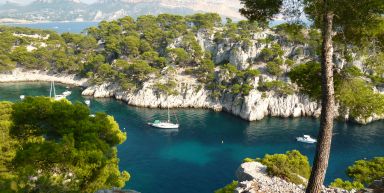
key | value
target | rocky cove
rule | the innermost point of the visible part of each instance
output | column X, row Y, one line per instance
column 255, row 106
column 191, row 93
column 210, row 164
column 252, row 107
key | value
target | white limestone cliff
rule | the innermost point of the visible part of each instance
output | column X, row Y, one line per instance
column 252, row 107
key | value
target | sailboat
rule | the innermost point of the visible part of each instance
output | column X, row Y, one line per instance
column 52, row 92
column 165, row 124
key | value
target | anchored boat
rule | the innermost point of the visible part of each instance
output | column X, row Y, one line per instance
column 306, row 139
column 52, row 92
column 165, row 124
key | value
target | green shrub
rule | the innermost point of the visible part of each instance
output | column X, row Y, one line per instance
column 167, row 88
column 230, row 188
column 236, row 89
column 267, row 54
column 248, row 160
column 292, row 32
column 274, row 68
column 308, row 77
column 359, row 97
column 346, row 185
column 246, row 88
column 288, row 166
column 278, row 86
column 366, row 171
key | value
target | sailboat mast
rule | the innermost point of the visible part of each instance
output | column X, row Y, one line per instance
column 50, row 91
column 54, row 90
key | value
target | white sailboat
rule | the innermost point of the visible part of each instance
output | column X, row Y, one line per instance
column 52, row 93
column 165, row 124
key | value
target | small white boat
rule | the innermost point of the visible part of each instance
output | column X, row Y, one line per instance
column 87, row 102
column 22, row 97
column 165, row 124
column 67, row 93
column 92, row 115
column 306, row 139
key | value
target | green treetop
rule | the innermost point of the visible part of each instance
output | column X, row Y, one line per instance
column 59, row 148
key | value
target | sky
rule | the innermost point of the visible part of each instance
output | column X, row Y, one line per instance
column 28, row 1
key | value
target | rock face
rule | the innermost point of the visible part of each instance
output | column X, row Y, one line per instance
column 252, row 107
column 253, row 178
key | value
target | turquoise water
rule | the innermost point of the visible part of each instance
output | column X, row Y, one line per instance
column 194, row 159
column 60, row 27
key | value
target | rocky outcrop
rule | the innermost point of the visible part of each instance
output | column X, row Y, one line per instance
column 253, row 107
column 256, row 106
column 20, row 75
column 239, row 54
column 253, row 178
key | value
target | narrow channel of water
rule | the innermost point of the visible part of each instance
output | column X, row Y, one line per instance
column 194, row 159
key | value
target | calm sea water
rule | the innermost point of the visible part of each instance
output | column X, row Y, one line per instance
column 60, row 27
column 194, row 159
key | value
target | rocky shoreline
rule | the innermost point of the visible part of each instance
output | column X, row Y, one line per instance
column 20, row 75
column 253, row 178
column 255, row 106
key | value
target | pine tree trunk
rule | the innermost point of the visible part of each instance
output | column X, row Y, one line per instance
column 323, row 148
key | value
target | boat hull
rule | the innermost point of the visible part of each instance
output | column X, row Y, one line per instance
column 300, row 139
column 164, row 125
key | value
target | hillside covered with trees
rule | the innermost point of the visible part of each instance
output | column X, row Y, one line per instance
column 224, row 58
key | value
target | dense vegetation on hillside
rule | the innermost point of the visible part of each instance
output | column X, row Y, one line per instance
column 159, row 48
column 55, row 146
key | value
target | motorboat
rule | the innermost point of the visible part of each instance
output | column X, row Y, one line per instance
column 306, row 139
column 22, row 97
column 87, row 102
column 67, row 93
